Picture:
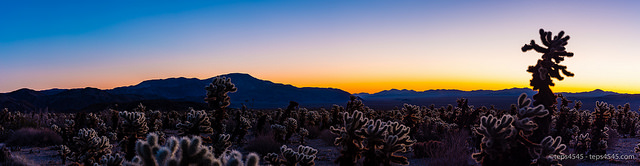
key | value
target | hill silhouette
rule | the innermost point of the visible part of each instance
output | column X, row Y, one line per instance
column 253, row 92
column 182, row 93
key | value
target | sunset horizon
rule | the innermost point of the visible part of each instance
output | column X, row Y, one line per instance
column 348, row 89
column 357, row 47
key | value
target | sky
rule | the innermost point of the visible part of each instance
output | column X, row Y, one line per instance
column 357, row 46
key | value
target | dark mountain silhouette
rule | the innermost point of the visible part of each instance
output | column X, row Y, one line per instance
column 182, row 93
column 171, row 93
column 253, row 92
column 501, row 99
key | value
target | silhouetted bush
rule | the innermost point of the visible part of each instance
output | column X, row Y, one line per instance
column 34, row 137
column 327, row 137
column 263, row 144
column 454, row 150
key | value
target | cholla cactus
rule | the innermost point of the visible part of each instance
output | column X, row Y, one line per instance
column 599, row 132
column 218, row 99
column 93, row 121
column 197, row 123
column 350, row 137
column 506, row 140
column 110, row 160
column 354, row 104
column 292, row 126
column 154, row 120
column 133, row 127
column 217, row 92
column 221, row 143
column 336, row 115
column 313, row 118
column 68, row 130
column 55, row 128
column 134, row 124
column 413, row 116
column 549, row 147
column 192, row 152
column 63, row 152
column 303, row 133
column 546, row 68
column 305, row 156
column 279, row 131
column 397, row 140
column 234, row 158
column 374, row 134
column 90, row 147
column 526, row 114
column 582, row 143
column 242, row 129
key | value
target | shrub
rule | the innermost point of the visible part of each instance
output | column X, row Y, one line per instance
column 327, row 137
column 263, row 144
column 453, row 150
column 34, row 137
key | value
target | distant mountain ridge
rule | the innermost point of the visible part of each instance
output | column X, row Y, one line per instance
column 388, row 99
column 263, row 94
column 253, row 92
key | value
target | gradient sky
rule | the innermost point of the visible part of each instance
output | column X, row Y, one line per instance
column 357, row 46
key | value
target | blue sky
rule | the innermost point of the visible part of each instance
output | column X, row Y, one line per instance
column 358, row 46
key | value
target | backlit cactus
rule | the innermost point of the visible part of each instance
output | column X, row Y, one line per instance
column 110, row 160
column 506, row 140
column 134, row 124
column 549, row 149
column 89, row 146
column 546, row 68
column 397, row 140
column 350, row 138
column 196, row 123
column 304, row 156
column 218, row 99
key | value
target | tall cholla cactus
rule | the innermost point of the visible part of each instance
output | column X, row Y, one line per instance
column 134, row 124
column 197, row 123
column 354, row 104
column 396, row 140
column 218, row 99
column 546, row 68
column 413, row 116
column 374, row 134
column 90, row 147
column 133, row 127
column 506, row 139
column 350, row 137
column 305, row 156
column 242, row 129
column 599, row 134
column 191, row 152
column 217, row 92
column 292, row 125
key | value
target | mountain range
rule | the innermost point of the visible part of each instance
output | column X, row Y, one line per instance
column 182, row 93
